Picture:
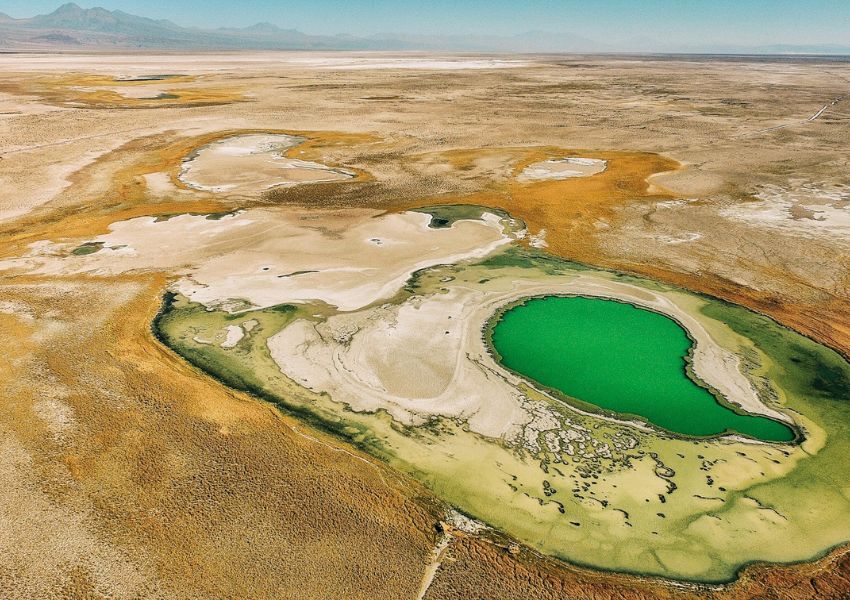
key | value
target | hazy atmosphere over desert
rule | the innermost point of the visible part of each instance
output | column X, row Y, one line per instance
column 327, row 300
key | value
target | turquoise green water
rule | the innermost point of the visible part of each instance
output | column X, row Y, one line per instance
column 620, row 358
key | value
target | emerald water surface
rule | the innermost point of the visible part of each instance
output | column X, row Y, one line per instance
column 620, row 358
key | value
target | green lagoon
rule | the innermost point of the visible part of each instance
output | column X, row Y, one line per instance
column 621, row 359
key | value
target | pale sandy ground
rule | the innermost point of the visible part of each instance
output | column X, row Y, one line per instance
column 137, row 92
column 41, row 151
column 31, row 176
column 808, row 210
column 160, row 184
column 556, row 169
column 127, row 66
column 42, row 145
column 365, row 359
column 366, row 63
column 347, row 259
column 252, row 164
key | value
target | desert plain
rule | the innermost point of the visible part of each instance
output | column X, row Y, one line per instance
column 168, row 219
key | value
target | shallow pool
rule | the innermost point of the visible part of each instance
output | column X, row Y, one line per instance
column 622, row 359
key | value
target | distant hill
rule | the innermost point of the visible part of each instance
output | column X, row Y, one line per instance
column 98, row 28
column 533, row 41
column 71, row 27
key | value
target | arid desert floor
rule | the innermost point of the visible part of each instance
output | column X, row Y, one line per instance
column 158, row 211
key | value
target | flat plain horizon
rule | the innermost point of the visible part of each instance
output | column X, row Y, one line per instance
column 612, row 25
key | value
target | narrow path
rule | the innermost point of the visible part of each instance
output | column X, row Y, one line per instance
column 826, row 106
column 437, row 555
column 814, row 117
column 296, row 430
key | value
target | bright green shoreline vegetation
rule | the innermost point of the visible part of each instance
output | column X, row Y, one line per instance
column 620, row 358
column 615, row 497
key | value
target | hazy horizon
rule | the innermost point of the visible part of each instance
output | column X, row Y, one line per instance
column 610, row 22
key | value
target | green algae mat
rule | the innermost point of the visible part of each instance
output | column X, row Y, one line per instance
column 619, row 358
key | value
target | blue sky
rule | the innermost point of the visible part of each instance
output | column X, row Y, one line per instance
column 674, row 21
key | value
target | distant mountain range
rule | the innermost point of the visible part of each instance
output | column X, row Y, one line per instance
column 71, row 27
